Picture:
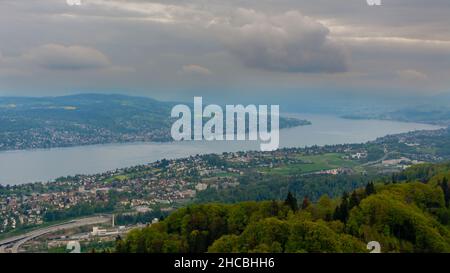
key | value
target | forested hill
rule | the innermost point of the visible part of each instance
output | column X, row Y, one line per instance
column 85, row 119
column 47, row 122
column 409, row 214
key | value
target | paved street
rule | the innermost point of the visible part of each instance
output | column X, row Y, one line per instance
column 13, row 244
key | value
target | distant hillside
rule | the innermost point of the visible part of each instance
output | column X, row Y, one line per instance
column 80, row 119
column 85, row 119
column 402, row 217
column 440, row 116
column 421, row 114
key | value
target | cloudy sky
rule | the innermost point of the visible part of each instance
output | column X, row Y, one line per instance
column 173, row 49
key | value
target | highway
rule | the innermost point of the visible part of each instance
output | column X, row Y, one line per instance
column 13, row 244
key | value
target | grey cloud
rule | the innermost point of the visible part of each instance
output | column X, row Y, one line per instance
column 45, row 60
column 158, row 37
column 411, row 74
column 195, row 69
column 288, row 42
column 60, row 57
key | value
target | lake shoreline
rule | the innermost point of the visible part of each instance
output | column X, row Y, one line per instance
column 31, row 166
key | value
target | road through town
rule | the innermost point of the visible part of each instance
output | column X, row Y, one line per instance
column 13, row 244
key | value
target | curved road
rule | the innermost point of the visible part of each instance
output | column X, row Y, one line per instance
column 14, row 243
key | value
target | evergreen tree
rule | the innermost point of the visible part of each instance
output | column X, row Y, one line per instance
column 342, row 211
column 354, row 200
column 446, row 190
column 370, row 189
column 394, row 178
column 291, row 201
column 305, row 202
column 337, row 213
column 274, row 208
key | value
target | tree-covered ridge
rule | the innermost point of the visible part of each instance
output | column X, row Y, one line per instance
column 403, row 217
column 86, row 119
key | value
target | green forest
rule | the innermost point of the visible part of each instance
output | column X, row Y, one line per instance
column 409, row 213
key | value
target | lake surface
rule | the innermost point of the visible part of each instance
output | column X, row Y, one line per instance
column 18, row 167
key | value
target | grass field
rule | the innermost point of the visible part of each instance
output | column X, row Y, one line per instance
column 117, row 178
column 226, row 174
column 312, row 164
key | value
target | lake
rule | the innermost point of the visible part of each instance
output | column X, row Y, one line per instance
column 18, row 167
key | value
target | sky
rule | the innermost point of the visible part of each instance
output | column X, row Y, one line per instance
column 253, row 49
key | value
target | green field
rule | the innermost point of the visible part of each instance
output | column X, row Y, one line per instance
column 226, row 174
column 313, row 163
column 117, row 178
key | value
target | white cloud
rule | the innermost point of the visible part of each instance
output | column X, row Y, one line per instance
column 195, row 69
column 151, row 11
column 411, row 74
column 287, row 42
column 45, row 60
